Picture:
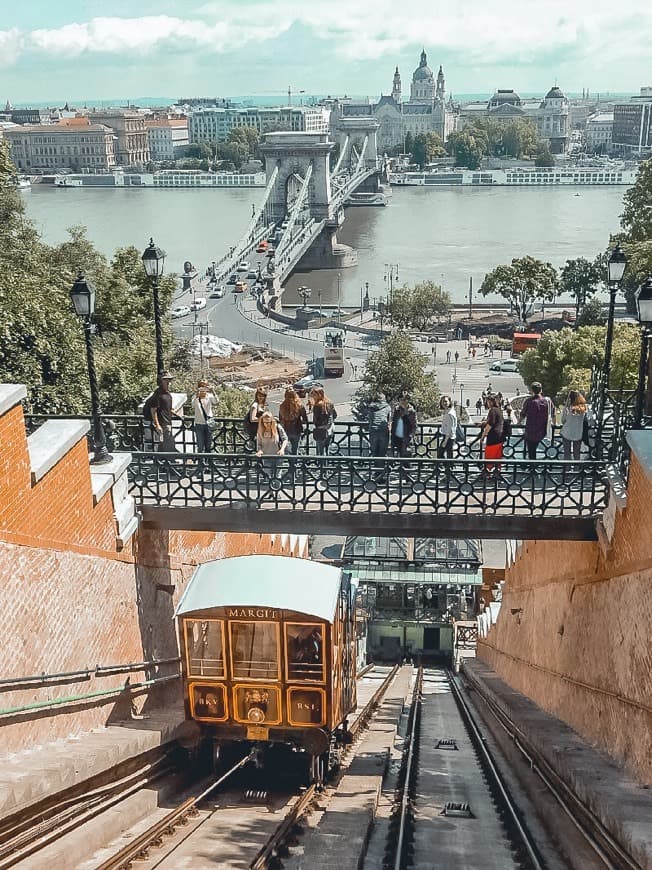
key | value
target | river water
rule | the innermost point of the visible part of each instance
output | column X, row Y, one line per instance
column 448, row 235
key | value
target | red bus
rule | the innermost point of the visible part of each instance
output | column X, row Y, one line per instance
column 522, row 341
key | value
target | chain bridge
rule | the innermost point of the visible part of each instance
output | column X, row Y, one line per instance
column 303, row 204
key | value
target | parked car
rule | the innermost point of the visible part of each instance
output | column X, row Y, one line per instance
column 217, row 292
column 198, row 304
column 303, row 386
column 180, row 311
column 505, row 365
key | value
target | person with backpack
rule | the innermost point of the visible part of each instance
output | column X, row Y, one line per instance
column 158, row 408
column 255, row 412
column 536, row 413
column 323, row 419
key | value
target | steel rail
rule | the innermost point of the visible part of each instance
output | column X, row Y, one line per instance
column 296, row 810
column 415, row 724
column 21, row 841
column 139, row 846
column 610, row 852
column 490, row 768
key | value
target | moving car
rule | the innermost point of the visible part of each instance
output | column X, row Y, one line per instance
column 198, row 304
column 270, row 252
column 240, row 287
column 217, row 293
column 262, row 247
column 505, row 365
column 303, row 386
column 243, row 266
column 232, row 278
column 252, row 273
column 180, row 311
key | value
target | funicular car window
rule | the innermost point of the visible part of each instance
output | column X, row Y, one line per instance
column 305, row 651
column 255, row 650
column 204, row 647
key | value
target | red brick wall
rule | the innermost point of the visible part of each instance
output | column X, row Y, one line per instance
column 575, row 632
column 69, row 601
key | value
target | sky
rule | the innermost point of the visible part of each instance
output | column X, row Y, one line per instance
column 57, row 50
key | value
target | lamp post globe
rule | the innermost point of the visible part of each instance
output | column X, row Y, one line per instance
column 644, row 314
column 153, row 262
column 82, row 294
column 616, row 265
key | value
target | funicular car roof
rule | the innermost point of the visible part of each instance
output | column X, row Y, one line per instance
column 278, row 582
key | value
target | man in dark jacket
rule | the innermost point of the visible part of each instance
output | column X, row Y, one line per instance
column 536, row 412
column 404, row 424
column 378, row 415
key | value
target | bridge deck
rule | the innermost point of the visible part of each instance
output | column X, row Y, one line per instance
column 356, row 495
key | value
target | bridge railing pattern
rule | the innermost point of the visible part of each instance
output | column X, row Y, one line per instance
column 350, row 438
column 367, row 484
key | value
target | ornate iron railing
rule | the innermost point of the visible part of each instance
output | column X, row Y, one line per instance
column 365, row 484
column 350, row 438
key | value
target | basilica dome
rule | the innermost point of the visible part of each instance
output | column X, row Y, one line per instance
column 423, row 71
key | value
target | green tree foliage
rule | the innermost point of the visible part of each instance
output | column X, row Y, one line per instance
column 247, row 138
column 522, row 283
column 543, row 156
column 636, row 219
column 581, row 279
column 397, row 366
column 519, row 138
column 467, row 146
column 427, row 147
column 232, row 152
column 563, row 360
column 409, row 143
column 591, row 314
column 42, row 342
column 419, row 307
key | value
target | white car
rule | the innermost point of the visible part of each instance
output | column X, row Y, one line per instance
column 180, row 311
column 506, row 365
column 198, row 304
column 243, row 267
column 217, row 292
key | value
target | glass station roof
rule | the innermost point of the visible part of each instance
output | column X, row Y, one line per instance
column 428, row 574
column 461, row 552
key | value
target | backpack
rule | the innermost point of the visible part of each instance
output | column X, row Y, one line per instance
column 460, row 434
column 150, row 402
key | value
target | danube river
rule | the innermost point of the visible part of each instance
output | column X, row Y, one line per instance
column 448, row 235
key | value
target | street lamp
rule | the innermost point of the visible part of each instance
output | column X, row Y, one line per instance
column 616, row 267
column 339, row 292
column 644, row 313
column 305, row 293
column 461, row 395
column 153, row 261
column 391, row 277
column 82, row 294
column 381, row 311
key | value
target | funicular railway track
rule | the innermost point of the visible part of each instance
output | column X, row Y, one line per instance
column 452, row 802
column 157, row 844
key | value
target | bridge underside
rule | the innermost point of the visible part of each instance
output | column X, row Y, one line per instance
column 277, row 520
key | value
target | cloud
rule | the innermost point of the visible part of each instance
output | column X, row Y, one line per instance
column 477, row 33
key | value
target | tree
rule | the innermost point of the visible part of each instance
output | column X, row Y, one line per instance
column 591, row 314
column 580, row 278
column 467, row 147
column 397, row 366
column 246, row 137
column 543, row 156
column 522, row 283
column 434, row 146
column 636, row 219
column 419, row 307
column 564, row 360
column 235, row 152
column 519, row 137
column 419, row 150
column 409, row 143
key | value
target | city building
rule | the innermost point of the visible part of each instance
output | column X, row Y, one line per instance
column 132, row 138
column 632, row 129
column 427, row 110
column 167, row 137
column 598, row 132
column 550, row 115
column 72, row 144
column 213, row 124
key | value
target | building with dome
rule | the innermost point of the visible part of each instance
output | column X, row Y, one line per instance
column 551, row 114
column 426, row 111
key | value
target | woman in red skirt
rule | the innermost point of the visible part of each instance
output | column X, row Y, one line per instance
column 493, row 433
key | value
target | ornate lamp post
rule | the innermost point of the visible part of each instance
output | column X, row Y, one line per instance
column 616, row 267
column 644, row 313
column 153, row 261
column 391, row 278
column 82, row 294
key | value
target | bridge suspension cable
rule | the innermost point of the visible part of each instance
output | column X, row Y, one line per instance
column 259, row 217
column 340, row 159
column 294, row 212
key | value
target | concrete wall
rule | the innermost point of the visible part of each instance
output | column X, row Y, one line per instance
column 574, row 631
column 73, row 595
